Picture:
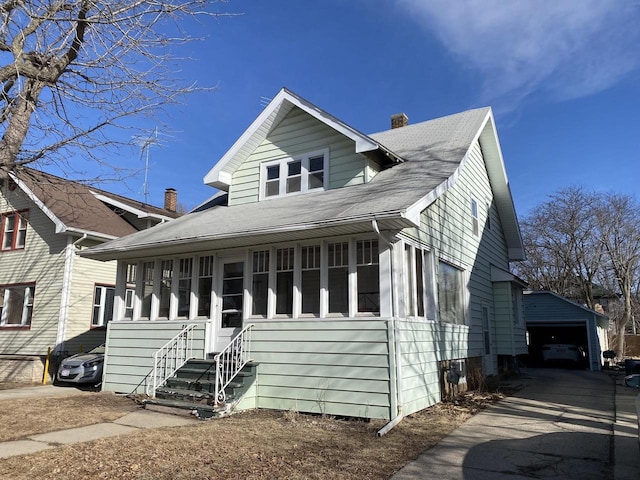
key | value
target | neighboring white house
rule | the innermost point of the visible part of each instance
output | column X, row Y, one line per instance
column 49, row 297
column 369, row 266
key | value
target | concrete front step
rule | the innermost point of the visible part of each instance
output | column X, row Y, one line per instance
column 180, row 407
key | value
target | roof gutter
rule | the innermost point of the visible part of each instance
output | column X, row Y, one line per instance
column 398, row 357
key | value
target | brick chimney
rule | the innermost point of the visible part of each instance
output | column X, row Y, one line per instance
column 171, row 199
column 399, row 120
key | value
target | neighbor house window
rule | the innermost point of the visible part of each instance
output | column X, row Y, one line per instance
column 367, row 269
column 16, row 305
column 294, row 175
column 475, row 218
column 311, row 280
column 14, row 230
column 338, row 274
column 450, row 298
column 260, row 283
column 102, row 305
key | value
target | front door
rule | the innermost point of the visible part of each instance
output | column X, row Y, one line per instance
column 231, row 301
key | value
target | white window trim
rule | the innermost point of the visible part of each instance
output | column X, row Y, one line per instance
column 464, row 296
column 475, row 218
column 101, row 305
column 28, row 302
column 304, row 178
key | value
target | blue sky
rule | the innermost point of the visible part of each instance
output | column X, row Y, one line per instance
column 562, row 78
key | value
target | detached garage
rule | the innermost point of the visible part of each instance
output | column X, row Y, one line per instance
column 551, row 318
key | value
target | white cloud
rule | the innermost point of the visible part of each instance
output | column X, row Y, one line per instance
column 564, row 48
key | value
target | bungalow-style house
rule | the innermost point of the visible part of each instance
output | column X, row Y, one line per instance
column 554, row 319
column 49, row 297
column 362, row 271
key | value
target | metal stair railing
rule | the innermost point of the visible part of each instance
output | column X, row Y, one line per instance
column 231, row 360
column 170, row 357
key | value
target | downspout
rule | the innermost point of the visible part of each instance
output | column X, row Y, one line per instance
column 66, row 293
column 398, row 356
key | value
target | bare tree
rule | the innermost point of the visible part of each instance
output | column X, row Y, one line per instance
column 619, row 223
column 564, row 254
column 71, row 70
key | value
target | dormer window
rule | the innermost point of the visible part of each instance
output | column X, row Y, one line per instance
column 299, row 174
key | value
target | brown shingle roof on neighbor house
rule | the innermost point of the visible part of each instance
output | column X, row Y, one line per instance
column 77, row 207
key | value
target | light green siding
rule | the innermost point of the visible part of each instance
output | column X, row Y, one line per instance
column 297, row 134
column 423, row 345
column 336, row 367
column 446, row 228
column 130, row 349
column 510, row 335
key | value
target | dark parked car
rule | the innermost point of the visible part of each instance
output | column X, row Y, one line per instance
column 82, row 368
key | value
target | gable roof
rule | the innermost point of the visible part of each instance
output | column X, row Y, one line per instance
column 428, row 157
column 77, row 208
column 533, row 295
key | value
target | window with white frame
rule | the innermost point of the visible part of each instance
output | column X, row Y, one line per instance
column 130, row 290
column 205, row 284
column 103, row 298
column 166, row 280
column 310, row 278
column 284, row 281
column 185, row 272
column 260, row 283
column 338, row 274
column 14, row 230
column 16, row 305
column 450, row 297
column 147, row 289
column 368, row 274
column 299, row 174
column 475, row 217
column 414, row 273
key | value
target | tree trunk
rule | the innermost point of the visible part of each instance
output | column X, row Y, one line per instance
column 18, row 124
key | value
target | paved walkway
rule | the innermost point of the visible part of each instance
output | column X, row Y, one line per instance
column 131, row 422
column 561, row 425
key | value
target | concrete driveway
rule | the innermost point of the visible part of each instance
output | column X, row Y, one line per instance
column 560, row 425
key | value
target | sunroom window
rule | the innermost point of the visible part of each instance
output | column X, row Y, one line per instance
column 260, row 282
column 147, row 289
column 284, row 281
column 205, row 284
column 367, row 269
column 338, row 254
column 450, row 298
column 166, row 280
column 294, row 175
column 184, row 287
column 311, row 280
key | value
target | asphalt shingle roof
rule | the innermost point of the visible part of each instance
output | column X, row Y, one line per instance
column 431, row 152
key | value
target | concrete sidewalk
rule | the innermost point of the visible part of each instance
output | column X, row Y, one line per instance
column 131, row 422
column 560, row 425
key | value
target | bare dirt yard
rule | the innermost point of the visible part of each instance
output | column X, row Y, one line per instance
column 250, row 445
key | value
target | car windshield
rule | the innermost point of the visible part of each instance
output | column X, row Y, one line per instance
column 98, row 349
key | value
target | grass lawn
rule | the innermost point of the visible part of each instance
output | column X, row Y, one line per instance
column 250, row 445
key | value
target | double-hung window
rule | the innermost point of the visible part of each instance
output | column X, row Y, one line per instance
column 260, row 282
column 16, row 305
column 338, row 273
column 310, row 280
column 475, row 218
column 367, row 269
column 299, row 174
column 284, row 281
column 14, row 230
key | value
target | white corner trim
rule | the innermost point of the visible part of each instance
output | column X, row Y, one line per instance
column 65, row 294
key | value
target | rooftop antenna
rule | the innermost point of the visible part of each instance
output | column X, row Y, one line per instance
column 145, row 146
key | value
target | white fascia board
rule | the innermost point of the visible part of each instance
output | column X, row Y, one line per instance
column 60, row 226
column 220, row 178
column 91, row 234
column 135, row 211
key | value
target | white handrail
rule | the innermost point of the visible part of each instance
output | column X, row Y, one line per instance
column 170, row 357
column 230, row 361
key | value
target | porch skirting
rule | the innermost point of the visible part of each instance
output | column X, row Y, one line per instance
column 343, row 367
